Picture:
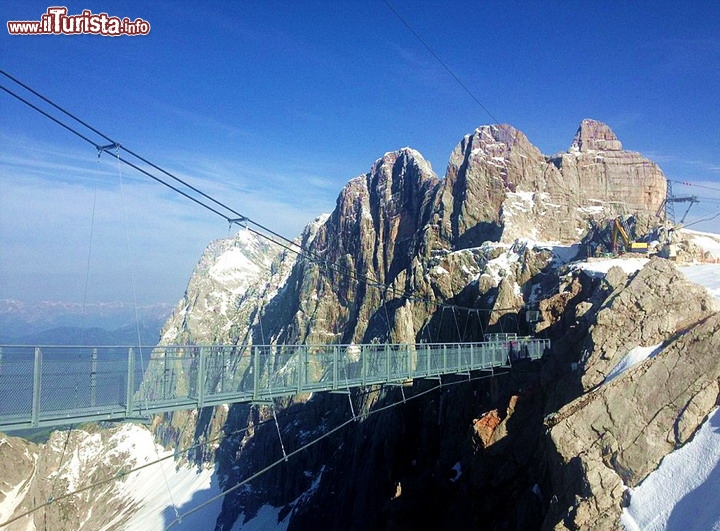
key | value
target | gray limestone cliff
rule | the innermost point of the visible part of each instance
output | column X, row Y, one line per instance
column 613, row 437
column 608, row 429
column 427, row 241
column 658, row 304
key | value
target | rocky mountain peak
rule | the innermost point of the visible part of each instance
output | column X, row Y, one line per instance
column 596, row 136
column 497, row 140
column 398, row 179
column 232, row 275
column 406, row 156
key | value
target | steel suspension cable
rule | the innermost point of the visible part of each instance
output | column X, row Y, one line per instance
column 304, row 447
column 285, row 243
column 121, row 474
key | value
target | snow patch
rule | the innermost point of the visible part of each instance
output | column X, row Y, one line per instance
column 156, row 488
column 706, row 275
column 233, row 264
column 591, row 209
column 439, row 270
column 599, row 268
column 268, row 517
column 521, row 200
column 633, row 357
column 266, row 520
column 563, row 253
column 707, row 240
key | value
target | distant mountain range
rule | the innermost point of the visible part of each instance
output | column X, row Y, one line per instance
column 59, row 322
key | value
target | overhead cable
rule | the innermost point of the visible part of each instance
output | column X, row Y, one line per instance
column 236, row 217
column 687, row 183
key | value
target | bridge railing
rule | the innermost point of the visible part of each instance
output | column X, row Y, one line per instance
column 57, row 385
column 40, row 383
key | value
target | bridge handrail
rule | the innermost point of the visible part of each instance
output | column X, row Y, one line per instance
column 51, row 385
column 249, row 345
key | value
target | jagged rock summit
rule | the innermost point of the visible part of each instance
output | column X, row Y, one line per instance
column 594, row 135
column 401, row 226
column 500, row 187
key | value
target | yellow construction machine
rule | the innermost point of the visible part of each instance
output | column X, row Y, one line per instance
column 630, row 245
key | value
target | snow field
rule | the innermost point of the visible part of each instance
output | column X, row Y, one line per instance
column 684, row 492
column 708, row 241
column 158, row 487
column 707, row 275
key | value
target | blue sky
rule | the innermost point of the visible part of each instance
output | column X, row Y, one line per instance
column 273, row 106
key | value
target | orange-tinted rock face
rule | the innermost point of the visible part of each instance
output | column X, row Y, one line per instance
column 485, row 427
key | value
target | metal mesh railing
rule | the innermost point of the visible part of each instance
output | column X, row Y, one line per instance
column 54, row 385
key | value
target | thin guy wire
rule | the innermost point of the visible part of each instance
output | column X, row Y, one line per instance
column 312, row 443
column 121, row 474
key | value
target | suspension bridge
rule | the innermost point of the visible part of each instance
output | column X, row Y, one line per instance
column 51, row 386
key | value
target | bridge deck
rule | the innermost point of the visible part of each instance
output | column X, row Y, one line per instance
column 51, row 386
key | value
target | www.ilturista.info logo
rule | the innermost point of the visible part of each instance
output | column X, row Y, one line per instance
column 56, row 21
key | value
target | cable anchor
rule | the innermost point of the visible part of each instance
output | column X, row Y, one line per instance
column 100, row 149
column 242, row 221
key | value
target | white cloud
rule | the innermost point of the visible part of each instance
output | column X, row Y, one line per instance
column 46, row 216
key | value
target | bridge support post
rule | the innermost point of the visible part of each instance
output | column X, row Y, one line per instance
column 335, row 368
column 223, row 368
column 472, row 356
column 130, row 383
column 364, row 357
column 409, row 361
column 301, row 364
column 37, row 381
column 445, row 367
column 166, row 375
column 93, row 377
column 387, row 362
column 427, row 360
column 201, row 379
column 256, row 374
